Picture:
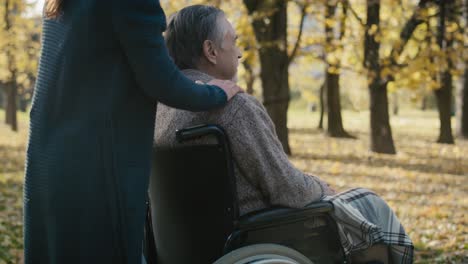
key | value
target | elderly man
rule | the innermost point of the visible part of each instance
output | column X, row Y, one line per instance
column 202, row 43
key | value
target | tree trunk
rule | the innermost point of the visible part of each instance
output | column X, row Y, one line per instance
column 322, row 105
column 444, row 93
column 23, row 105
column 464, row 93
column 335, row 123
column 11, row 87
column 424, row 103
column 11, row 107
column 274, row 77
column 396, row 106
column 464, row 106
column 2, row 95
column 249, row 77
column 444, row 104
column 7, row 115
column 332, row 80
column 270, row 32
column 381, row 133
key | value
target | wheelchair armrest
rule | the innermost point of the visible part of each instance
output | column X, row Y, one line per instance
column 310, row 230
column 275, row 215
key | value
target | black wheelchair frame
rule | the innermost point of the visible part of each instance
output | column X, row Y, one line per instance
column 193, row 213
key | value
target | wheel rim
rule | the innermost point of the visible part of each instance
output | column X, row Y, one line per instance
column 267, row 259
column 274, row 261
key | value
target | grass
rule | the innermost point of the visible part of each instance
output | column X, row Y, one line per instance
column 12, row 153
column 425, row 183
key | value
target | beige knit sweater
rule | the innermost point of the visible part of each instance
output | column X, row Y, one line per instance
column 264, row 175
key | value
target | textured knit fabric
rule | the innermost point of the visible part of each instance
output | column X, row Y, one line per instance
column 103, row 66
column 364, row 219
column 264, row 175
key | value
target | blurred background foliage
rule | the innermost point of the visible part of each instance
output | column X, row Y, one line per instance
column 320, row 55
column 405, row 55
column 345, row 82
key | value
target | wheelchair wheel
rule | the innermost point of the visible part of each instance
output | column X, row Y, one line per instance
column 264, row 254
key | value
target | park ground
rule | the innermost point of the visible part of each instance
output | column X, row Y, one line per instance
column 425, row 183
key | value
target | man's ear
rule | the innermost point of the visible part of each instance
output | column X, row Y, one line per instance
column 209, row 51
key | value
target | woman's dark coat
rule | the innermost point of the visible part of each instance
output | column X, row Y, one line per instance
column 103, row 66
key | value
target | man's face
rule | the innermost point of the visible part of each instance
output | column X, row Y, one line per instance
column 228, row 54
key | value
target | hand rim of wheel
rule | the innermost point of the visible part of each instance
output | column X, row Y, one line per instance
column 264, row 254
column 267, row 259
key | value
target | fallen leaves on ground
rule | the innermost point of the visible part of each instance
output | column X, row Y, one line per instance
column 425, row 183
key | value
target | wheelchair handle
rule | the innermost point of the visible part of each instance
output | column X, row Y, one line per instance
column 190, row 133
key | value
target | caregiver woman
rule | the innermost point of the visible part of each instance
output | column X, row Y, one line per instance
column 103, row 66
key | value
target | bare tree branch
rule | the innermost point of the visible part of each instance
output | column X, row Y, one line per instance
column 355, row 14
column 344, row 8
column 406, row 34
column 299, row 35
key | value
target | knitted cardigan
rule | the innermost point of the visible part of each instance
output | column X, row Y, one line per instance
column 103, row 66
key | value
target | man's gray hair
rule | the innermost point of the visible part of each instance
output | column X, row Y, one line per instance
column 188, row 29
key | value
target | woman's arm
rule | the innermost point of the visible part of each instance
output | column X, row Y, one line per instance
column 138, row 25
column 262, row 160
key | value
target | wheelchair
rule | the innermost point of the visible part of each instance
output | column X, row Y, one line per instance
column 193, row 213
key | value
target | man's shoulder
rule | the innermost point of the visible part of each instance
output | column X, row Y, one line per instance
column 246, row 100
column 242, row 106
column 247, row 103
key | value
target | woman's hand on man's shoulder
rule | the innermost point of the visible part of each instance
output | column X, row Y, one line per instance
column 229, row 87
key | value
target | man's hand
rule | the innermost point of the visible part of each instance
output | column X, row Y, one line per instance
column 229, row 87
column 328, row 190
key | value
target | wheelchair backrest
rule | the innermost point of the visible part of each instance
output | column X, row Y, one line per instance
column 192, row 196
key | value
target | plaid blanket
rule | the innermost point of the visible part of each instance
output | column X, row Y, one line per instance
column 365, row 219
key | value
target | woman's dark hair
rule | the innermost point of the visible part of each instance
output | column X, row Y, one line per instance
column 53, row 8
column 188, row 29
